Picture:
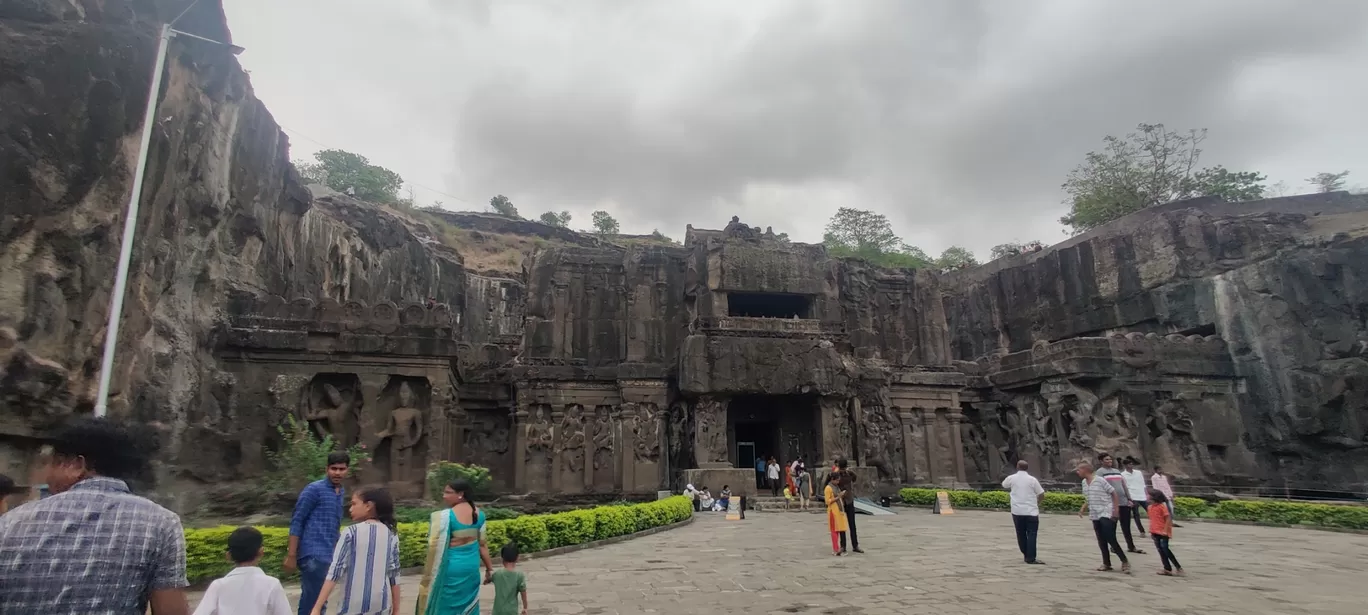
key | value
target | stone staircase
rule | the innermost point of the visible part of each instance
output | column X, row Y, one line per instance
column 778, row 504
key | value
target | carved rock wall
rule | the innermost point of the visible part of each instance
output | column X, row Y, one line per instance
column 1283, row 285
column 223, row 212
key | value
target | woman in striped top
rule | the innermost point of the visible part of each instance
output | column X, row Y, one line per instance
column 366, row 560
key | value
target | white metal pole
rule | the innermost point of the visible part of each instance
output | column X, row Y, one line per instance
column 116, row 300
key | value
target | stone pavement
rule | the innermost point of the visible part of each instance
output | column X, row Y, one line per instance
column 921, row 563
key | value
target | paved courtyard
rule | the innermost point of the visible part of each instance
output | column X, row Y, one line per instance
column 917, row 562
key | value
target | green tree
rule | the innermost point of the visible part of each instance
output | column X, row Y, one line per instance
column 552, row 218
column 865, row 234
column 604, row 223
column 955, row 257
column 1145, row 168
column 1012, row 249
column 1328, row 182
column 352, row 174
column 501, row 205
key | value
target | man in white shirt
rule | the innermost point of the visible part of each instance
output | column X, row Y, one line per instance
column 1135, row 489
column 246, row 590
column 1026, row 495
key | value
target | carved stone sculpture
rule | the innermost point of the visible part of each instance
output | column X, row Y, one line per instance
column 572, row 440
column 603, row 438
column 647, row 433
column 710, row 428
column 403, row 432
column 332, row 411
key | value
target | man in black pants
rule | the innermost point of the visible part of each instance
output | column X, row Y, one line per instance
column 845, row 481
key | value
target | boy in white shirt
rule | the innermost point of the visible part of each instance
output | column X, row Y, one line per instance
column 246, row 590
column 1135, row 489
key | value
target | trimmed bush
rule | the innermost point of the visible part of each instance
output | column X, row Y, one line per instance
column 205, row 560
column 1283, row 513
column 1294, row 513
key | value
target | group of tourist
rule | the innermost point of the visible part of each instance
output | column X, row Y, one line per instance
column 94, row 547
column 1110, row 496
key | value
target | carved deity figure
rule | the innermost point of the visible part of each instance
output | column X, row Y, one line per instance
column 572, row 442
column 404, row 430
column 538, row 433
column 332, row 413
column 711, row 440
column 647, row 432
column 603, row 439
column 879, row 436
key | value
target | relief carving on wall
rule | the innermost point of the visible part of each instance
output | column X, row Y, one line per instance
column 603, row 438
column 710, row 427
column 647, row 433
column 333, row 408
column 403, row 432
column 572, row 439
column 882, row 442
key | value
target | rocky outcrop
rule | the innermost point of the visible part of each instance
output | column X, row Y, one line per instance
column 224, row 214
column 1281, row 281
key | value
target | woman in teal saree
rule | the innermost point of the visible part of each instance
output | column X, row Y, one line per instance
column 456, row 550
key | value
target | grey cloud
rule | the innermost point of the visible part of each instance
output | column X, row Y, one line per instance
column 958, row 119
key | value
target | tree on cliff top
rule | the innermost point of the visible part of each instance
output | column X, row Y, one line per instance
column 1145, row 168
column 353, row 174
column 551, row 218
column 604, row 223
column 501, row 205
column 1328, row 182
column 955, row 257
column 865, row 234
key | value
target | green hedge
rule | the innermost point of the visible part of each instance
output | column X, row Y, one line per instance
column 1286, row 513
column 205, row 559
column 1294, row 513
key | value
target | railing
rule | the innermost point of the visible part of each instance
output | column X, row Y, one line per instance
column 771, row 327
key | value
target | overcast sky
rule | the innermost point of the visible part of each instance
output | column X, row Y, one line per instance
column 958, row 119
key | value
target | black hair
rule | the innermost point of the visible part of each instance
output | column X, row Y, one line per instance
column 339, row 457
column 462, row 486
column 384, row 504
column 1130, row 460
column 509, row 553
column 7, row 486
column 842, row 463
column 109, row 448
column 244, row 544
column 831, row 478
column 1101, row 456
column 726, row 486
column 1158, row 496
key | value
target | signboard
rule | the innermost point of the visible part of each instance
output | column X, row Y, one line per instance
column 942, row 506
column 734, row 505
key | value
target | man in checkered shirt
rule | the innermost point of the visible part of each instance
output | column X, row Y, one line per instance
column 93, row 547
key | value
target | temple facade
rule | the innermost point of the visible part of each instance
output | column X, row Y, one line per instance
column 632, row 369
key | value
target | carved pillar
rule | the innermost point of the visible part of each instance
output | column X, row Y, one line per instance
column 520, row 427
column 929, row 435
column 909, row 446
column 557, row 446
column 957, row 443
column 623, row 420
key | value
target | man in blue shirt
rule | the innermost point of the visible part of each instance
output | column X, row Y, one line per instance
column 759, row 471
column 314, row 530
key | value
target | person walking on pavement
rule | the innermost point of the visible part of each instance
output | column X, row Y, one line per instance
column 1161, row 483
column 1025, row 494
column 772, row 472
column 1135, row 490
column 759, row 472
column 845, row 482
column 315, row 529
column 1102, row 504
column 1113, row 477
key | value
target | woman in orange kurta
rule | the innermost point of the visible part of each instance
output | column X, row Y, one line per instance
column 836, row 519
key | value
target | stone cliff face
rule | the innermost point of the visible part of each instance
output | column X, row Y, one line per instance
column 1282, row 282
column 223, row 214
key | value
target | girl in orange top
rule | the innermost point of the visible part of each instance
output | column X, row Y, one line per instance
column 836, row 519
column 1161, row 530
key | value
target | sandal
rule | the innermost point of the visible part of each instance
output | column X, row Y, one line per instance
column 1104, row 569
column 1125, row 568
column 1164, row 573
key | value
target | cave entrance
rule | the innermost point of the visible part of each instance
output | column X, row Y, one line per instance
column 769, row 305
column 780, row 426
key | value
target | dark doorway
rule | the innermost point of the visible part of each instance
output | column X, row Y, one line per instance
column 769, row 305
column 779, row 426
